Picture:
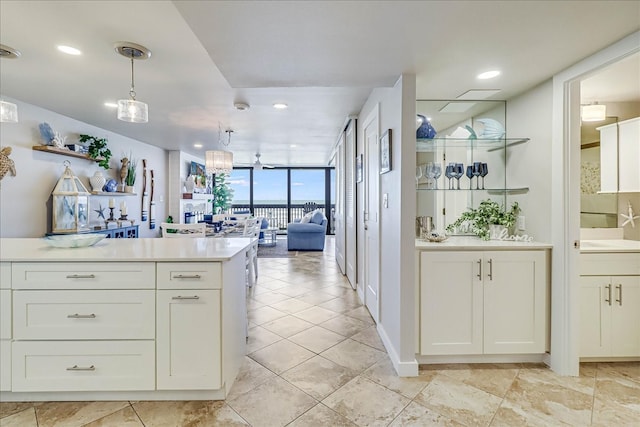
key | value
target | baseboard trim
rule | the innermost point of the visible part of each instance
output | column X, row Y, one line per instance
column 403, row 369
column 482, row 358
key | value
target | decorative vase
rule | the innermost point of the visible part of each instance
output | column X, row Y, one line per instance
column 128, row 188
column 97, row 181
column 425, row 131
column 189, row 184
column 110, row 186
column 498, row 232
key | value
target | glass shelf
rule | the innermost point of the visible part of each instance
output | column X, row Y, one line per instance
column 521, row 190
column 431, row 145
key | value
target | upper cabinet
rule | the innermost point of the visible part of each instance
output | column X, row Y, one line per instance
column 620, row 157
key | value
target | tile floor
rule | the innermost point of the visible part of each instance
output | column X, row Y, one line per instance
column 315, row 359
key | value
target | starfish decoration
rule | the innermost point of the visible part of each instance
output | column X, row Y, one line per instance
column 630, row 218
column 100, row 211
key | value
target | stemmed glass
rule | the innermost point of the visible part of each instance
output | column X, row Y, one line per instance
column 428, row 172
column 418, row 174
column 470, row 175
column 448, row 172
column 437, row 171
column 459, row 171
column 484, row 170
column 476, row 170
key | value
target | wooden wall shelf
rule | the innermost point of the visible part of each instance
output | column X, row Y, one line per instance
column 112, row 193
column 64, row 152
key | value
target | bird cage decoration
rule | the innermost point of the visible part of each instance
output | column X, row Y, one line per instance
column 70, row 204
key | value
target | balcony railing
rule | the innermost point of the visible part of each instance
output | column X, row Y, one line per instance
column 277, row 215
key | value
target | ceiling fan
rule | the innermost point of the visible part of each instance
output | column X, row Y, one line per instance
column 258, row 165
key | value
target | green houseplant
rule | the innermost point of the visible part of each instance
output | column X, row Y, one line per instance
column 130, row 180
column 97, row 149
column 222, row 193
column 477, row 220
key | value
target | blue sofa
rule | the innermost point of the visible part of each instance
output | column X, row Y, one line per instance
column 307, row 236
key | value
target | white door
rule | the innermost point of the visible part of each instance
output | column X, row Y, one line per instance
column 350, row 202
column 625, row 316
column 340, row 213
column 371, row 223
column 595, row 316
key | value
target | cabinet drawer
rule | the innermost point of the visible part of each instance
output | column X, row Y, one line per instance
column 610, row 264
column 189, row 275
column 85, row 275
column 69, row 314
column 5, row 275
column 5, row 365
column 83, row 366
column 5, row 314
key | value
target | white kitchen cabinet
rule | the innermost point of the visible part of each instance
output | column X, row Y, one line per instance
column 483, row 302
column 610, row 316
column 5, row 326
column 189, row 347
column 620, row 156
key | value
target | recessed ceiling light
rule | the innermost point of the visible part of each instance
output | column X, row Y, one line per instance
column 293, row 146
column 488, row 74
column 69, row 50
column 111, row 104
column 280, row 106
column 241, row 106
column 197, row 145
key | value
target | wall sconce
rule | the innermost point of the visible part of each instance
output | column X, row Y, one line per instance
column 593, row 113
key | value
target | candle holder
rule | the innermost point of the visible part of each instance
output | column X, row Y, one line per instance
column 123, row 217
column 111, row 217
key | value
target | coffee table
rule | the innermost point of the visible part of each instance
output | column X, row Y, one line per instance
column 269, row 236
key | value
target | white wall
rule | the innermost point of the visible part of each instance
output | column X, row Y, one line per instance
column 23, row 198
column 179, row 166
column 397, row 287
column 529, row 165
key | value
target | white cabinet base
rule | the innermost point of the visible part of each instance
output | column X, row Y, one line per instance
column 483, row 358
column 75, row 396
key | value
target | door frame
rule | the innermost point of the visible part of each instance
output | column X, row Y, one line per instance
column 565, row 201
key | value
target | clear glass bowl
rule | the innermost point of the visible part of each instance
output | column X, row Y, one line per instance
column 74, row 240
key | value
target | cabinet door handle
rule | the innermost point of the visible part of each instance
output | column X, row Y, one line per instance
column 608, row 298
column 480, row 269
column 81, row 368
column 187, row 297
column 619, row 299
column 81, row 276
column 187, row 276
column 490, row 275
column 81, row 316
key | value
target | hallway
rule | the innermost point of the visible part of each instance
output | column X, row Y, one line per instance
column 315, row 359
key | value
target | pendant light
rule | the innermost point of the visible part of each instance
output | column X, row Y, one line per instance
column 219, row 161
column 8, row 110
column 593, row 112
column 130, row 110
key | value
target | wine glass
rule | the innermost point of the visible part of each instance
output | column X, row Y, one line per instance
column 418, row 174
column 459, row 171
column 483, row 172
column 477, row 169
column 470, row 175
column 437, row 171
column 448, row 172
column 428, row 172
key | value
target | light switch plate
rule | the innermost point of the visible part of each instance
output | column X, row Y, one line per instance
column 521, row 223
column 385, row 200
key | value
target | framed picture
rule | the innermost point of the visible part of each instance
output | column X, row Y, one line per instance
column 385, row 152
column 200, row 176
column 359, row 168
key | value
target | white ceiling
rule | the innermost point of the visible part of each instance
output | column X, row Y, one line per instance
column 321, row 58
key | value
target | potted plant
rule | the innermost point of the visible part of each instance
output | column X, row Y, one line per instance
column 480, row 220
column 130, row 179
column 97, row 149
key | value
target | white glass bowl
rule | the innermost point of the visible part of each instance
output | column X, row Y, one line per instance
column 74, row 240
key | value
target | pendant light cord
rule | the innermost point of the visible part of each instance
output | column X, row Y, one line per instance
column 132, row 92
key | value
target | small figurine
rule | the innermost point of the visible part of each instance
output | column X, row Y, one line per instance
column 6, row 164
column 124, row 170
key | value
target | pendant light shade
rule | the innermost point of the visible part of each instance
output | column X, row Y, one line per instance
column 130, row 110
column 593, row 113
column 218, row 161
column 8, row 112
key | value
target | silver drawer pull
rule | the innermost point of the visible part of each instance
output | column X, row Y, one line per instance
column 81, row 276
column 619, row 299
column 81, row 316
column 81, row 368
column 185, row 276
column 181, row 297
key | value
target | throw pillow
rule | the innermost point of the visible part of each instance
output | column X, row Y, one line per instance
column 306, row 218
column 317, row 217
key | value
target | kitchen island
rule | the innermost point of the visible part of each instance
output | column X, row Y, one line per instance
column 125, row 319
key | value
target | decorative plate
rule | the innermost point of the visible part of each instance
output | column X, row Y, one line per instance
column 74, row 240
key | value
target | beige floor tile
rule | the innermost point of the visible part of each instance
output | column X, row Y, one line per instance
column 607, row 414
column 316, row 297
column 345, row 325
column 24, row 418
column 123, row 418
column 459, row 401
column 625, row 370
column 63, row 414
column 9, row 408
column 187, row 413
column 251, row 375
column 353, row 355
column 253, row 304
column 272, row 404
column 340, row 304
column 321, row 416
column 317, row 339
column 264, row 315
column 318, row 377
column 291, row 305
column 293, row 290
column 260, row 337
column 384, row 374
column 370, row 337
column 281, row 356
column 316, row 314
column 415, row 415
column 511, row 414
column 366, row 403
column 287, row 326
column 618, row 391
column 360, row 313
column 545, row 375
column 492, row 378
column 271, row 297
column 588, row 369
column 273, row 284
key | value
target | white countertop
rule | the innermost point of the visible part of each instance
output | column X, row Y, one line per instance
column 157, row 249
column 457, row 243
column 609, row 246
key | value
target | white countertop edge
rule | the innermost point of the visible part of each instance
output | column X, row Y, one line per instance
column 457, row 243
column 592, row 246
